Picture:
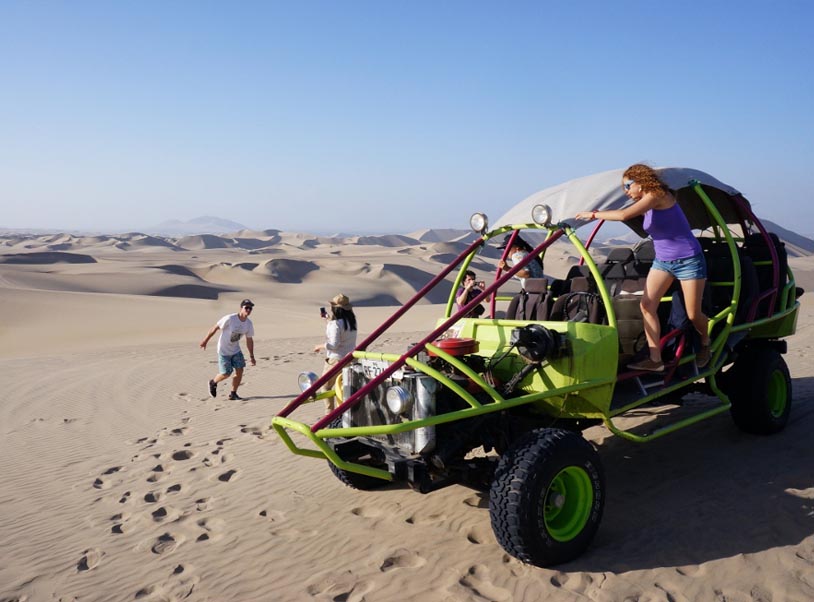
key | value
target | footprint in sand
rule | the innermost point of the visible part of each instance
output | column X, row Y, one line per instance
column 576, row 582
column 159, row 472
column 341, row 589
column 479, row 584
column 183, row 454
column 166, row 543
column 478, row 535
column 152, row 497
column 179, row 586
column 112, row 469
column 120, row 521
column 272, row 515
column 256, row 431
column 402, row 559
column 212, row 527
column 366, row 512
column 203, row 504
column 227, row 476
column 90, row 559
column 162, row 514
column 174, row 488
column 477, row 501
column 125, row 497
column 419, row 519
column 101, row 484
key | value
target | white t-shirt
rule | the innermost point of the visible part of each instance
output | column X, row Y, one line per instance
column 231, row 331
column 338, row 340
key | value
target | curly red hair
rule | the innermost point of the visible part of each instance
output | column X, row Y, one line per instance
column 646, row 177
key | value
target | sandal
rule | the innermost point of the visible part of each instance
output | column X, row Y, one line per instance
column 647, row 365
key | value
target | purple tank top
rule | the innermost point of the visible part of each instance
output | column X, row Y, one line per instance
column 671, row 233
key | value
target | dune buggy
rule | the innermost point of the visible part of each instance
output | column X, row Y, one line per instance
column 500, row 401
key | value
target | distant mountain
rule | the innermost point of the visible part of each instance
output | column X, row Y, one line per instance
column 439, row 234
column 804, row 246
column 206, row 224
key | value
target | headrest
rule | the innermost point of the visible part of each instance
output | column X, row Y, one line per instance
column 644, row 251
column 536, row 285
column 580, row 284
column 620, row 255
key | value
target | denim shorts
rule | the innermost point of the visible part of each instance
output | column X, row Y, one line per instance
column 226, row 363
column 687, row 268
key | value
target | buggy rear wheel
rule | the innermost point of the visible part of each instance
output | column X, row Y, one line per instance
column 547, row 498
column 760, row 391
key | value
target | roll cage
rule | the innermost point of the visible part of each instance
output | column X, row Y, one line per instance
column 581, row 385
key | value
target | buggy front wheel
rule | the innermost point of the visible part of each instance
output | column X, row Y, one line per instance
column 547, row 497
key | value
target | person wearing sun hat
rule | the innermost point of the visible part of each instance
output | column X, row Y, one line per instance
column 230, row 358
column 340, row 339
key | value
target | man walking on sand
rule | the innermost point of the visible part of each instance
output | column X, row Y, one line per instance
column 230, row 357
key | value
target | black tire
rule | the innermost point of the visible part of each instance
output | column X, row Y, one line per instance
column 357, row 452
column 547, row 497
column 760, row 391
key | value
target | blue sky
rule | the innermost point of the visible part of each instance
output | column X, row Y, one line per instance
column 387, row 116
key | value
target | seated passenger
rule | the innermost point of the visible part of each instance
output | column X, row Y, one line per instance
column 468, row 291
column 519, row 250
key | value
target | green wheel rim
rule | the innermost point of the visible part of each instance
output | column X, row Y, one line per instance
column 567, row 504
column 777, row 394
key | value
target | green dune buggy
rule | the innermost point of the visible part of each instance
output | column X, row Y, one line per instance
column 500, row 401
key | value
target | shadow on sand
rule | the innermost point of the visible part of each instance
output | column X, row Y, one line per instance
column 706, row 492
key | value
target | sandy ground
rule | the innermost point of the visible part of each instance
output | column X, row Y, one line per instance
column 123, row 480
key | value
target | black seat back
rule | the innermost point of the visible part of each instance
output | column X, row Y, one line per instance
column 534, row 303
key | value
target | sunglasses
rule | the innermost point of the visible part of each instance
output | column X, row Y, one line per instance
column 628, row 184
column 247, row 308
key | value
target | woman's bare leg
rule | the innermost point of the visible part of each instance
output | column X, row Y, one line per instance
column 655, row 286
column 693, row 293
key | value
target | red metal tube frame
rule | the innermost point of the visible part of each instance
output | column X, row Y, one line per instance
column 354, row 399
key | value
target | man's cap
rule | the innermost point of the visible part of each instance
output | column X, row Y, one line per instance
column 342, row 301
column 518, row 242
column 246, row 303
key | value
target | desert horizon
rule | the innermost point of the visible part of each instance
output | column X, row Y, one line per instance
column 124, row 480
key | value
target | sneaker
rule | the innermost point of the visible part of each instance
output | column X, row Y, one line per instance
column 647, row 365
column 234, row 396
column 703, row 355
column 213, row 389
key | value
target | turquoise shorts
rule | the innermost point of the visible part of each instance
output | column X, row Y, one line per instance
column 686, row 268
column 226, row 363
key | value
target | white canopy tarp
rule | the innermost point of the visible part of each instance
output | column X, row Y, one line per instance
column 601, row 192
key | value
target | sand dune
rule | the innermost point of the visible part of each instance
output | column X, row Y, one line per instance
column 124, row 480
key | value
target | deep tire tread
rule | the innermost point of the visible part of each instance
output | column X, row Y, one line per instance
column 522, row 474
column 749, row 387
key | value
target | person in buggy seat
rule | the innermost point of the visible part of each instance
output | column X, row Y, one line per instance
column 518, row 250
column 678, row 256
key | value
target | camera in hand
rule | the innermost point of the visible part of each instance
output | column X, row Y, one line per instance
column 323, row 313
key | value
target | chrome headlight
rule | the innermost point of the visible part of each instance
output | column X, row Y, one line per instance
column 479, row 222
column 398, row 400
column 305, row 380
column 541, row 214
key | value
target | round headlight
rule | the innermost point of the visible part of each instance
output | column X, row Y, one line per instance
column 479, row 222
column 398, row 400
column 541, row 214
column 306, row 379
